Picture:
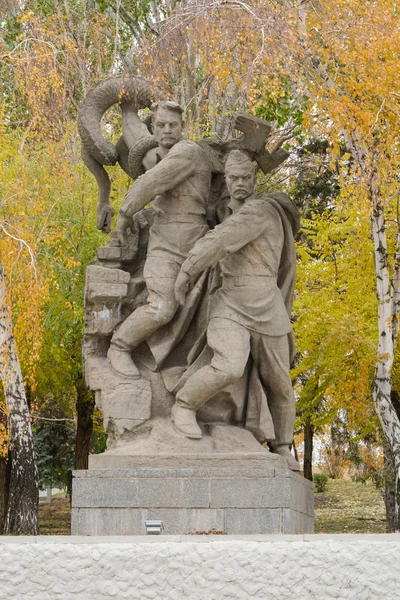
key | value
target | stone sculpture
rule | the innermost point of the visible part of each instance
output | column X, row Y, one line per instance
column 251, row 311
column 145, row 349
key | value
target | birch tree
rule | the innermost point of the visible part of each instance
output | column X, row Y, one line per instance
column 357, row 80
column 23, row 497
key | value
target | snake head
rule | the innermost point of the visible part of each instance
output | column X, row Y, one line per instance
column 105, row 214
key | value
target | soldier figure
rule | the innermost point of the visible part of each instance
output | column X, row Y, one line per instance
column 178, row 187
column 250, row 313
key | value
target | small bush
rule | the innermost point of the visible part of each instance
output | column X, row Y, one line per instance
column 320, row 481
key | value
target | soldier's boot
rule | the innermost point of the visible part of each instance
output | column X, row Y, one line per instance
column 121, row 362
column 284, row 451
column 184, row 420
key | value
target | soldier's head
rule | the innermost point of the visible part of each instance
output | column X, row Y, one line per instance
column 167, row 123
column 240, row 175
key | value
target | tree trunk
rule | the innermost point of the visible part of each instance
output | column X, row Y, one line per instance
column 5, row 464
column 382, row 385
column 3, row 499
column 4, row 478
column 392, row 520
column 308, row 448
column 388, row 490
column 84, row 427
column 23, row 499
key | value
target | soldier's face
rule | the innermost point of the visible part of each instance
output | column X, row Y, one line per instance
column 240, row 180
column 167, row 127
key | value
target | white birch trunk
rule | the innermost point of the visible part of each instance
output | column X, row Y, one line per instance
column 382, row 384
column 22, row 509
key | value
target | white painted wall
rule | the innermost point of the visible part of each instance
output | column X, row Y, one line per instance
column 201, row 568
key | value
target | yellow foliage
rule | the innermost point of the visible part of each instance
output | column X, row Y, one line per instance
column 47, row 236
column 335, row 308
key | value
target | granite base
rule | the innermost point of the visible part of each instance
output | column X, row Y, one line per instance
column 237, row 497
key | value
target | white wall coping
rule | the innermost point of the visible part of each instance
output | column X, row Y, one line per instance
column 160, row 539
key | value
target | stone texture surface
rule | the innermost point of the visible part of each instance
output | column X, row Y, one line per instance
column 159, row 439
column 98, row 273
column 230, row 496
column 125, row 403
column 105, row 288
column 199, row 568
column 105, row 292
column 125, row 521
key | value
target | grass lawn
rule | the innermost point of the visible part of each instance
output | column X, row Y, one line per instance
column 55, row 517
column 345, row 507
column 349, row 507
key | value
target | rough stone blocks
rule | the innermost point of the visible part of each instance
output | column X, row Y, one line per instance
column 126, row 403
column 105, row 290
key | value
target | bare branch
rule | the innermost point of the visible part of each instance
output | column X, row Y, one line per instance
column 23, row 243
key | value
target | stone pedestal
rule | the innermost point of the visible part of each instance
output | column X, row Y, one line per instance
column 232, row 494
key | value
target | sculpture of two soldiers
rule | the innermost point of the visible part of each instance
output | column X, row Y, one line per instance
column 255, row 249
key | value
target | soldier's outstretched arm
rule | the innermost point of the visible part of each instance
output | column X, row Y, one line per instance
column 235, row 232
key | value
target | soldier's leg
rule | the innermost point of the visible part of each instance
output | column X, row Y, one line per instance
column 271, row 355
column 230, row 343
column 145, row 320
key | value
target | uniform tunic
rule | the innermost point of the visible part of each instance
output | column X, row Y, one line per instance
column 179, row 187
column 248, row 245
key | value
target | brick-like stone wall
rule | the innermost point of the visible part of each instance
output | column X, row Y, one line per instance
column 201, row 568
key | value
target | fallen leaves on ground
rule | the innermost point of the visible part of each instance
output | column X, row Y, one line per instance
column 349, row 507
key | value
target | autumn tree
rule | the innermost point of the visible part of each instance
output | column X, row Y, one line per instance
column 51, row 54
column 352, row 85
column 320, row 70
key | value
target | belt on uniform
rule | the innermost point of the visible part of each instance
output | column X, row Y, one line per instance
column 164, row 219
column 231, row 280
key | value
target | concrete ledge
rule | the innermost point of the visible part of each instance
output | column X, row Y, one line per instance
column 354, row 567
column 167, row 539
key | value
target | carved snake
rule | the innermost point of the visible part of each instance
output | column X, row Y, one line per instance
column 132, row 93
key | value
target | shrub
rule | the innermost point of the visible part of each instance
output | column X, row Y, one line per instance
column 320, row 481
